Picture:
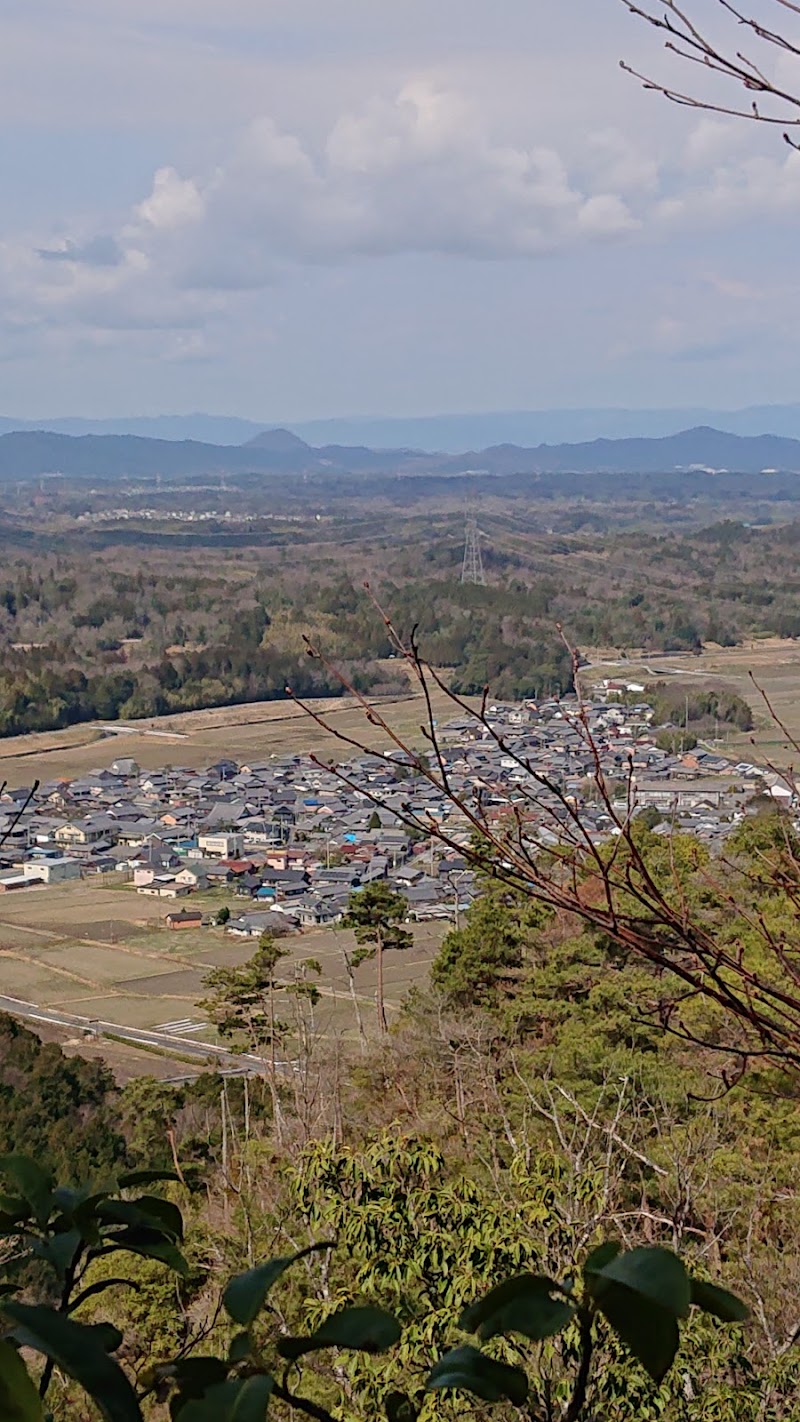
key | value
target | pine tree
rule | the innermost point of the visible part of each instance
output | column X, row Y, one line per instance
column 375, row 914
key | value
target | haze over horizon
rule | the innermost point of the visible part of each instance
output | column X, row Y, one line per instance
column 419, row 208
column 447, row 432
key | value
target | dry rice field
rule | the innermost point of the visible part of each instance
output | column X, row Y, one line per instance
column 103, row 952
column 198, row 738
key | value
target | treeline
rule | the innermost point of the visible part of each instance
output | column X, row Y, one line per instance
column 681, row 705
column 496, row 636
column 40, row 695
column 485, row 635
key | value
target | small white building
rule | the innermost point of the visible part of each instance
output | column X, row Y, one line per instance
column 164, row 886
column 780, row 792
column 51, row 871
column 193, row 877
column 221, row 846
column 14, row 879
column 142, row 876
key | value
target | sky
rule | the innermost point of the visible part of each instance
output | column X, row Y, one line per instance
column 288, row 209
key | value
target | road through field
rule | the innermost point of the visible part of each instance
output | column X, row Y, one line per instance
column 160, row 1041
column 253, row 730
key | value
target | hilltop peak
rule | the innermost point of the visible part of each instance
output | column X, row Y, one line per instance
column 279, row 441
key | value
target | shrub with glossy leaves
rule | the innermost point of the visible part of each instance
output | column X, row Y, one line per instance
column 641, row 1295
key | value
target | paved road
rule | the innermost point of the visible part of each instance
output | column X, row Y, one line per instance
column 164, row 1041
column 632, row 665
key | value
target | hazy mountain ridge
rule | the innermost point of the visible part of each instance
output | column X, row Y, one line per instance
column 453, row 433
column 703, row 447
column 39, row 453
column 33, row 454
column 207, row 429
column 531, row 428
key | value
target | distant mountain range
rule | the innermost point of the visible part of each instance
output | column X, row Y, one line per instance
column 29, row 454
column 32, row 454
column 529, row 428
column 454, row 434
column 700, row 448
column 208, row 429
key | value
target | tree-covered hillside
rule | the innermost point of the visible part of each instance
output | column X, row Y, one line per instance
column 137, row 628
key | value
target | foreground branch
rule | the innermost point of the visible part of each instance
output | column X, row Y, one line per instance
column 688, row 42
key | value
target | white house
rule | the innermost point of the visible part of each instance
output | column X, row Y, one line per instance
column 52, row 871
column 221, row 846
column 164, row 886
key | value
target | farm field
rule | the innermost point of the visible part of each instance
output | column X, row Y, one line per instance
column 772, row 664
column 103, row 952
column 198, row 738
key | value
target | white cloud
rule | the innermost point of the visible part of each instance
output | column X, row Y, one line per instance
column 761, row 184
column 418, row 172
column 712, row 315
column 756, row 184
column 620, row 165
column 711, row 141
column 173, row 201
column 606, row 216
column 429, row 168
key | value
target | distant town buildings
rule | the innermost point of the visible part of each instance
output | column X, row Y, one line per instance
column 289, row 841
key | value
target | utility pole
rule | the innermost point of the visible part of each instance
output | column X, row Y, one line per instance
column 453, row 880
column 472, row 566
column 223, row 1106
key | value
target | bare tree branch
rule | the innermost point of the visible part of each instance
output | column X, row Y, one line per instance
column 688, row 42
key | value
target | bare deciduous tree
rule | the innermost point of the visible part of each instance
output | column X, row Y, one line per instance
column 693, row 36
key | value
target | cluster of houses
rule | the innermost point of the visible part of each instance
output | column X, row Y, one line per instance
column 283, row 836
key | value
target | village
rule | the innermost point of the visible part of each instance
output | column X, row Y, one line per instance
column 288, row 840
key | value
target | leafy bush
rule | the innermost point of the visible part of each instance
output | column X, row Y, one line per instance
column 56, row 1234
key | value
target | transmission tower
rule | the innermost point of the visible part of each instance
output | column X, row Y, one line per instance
column 472, row 566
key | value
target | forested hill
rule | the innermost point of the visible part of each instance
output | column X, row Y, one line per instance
column 32, row 454
column 703, row 447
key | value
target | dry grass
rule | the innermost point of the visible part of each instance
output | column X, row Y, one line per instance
column 81, row 903
column 197, row 738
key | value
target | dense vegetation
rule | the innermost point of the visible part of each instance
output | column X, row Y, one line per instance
column 62, row 1110
column 679, row 705
column 146, row 619
column 634, row 1299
